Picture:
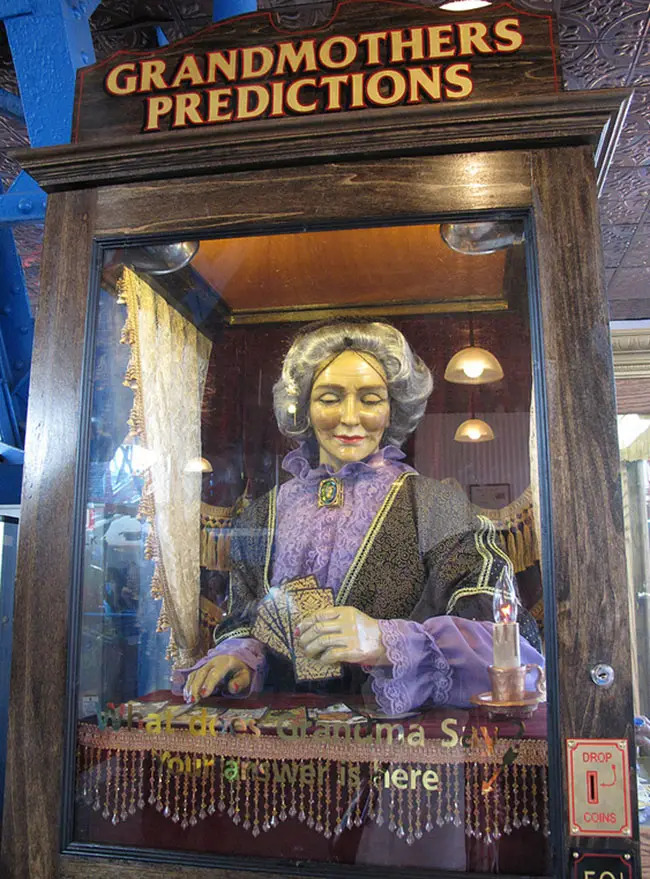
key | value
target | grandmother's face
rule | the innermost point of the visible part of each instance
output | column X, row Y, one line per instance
column 349, row 408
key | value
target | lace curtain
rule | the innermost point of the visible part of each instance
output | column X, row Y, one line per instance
column 167, row 371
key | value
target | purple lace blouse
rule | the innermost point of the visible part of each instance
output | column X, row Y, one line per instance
column 443, row 660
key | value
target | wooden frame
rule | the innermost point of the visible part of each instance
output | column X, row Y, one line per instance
column 534, row 160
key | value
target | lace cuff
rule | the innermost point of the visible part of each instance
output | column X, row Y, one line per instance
column 418, row 670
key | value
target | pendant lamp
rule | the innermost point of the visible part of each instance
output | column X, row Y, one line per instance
column 473, row 430
column 473, row 365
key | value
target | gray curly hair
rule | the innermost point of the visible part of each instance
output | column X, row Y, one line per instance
column 408, row 378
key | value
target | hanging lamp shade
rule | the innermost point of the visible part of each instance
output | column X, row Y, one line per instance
column 474, row 430
column 473, row 366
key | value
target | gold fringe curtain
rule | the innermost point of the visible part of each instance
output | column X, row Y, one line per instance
column 166, row 372
column 516, row 530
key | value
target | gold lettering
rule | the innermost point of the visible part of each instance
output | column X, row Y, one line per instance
column 293, row 96
column 187, row 70
column 414, row 42
column 373, row 47
column 277, row 99
column 454, row 76
column 507, row 29
column 441, row 41
column 307, row 774
column 430, row 779
column 302, row 55
column 219, row 111
column 349, row 52
column 415, row 774
column 472, row 36
column 416, row 736
column 257, row 61
column 448, row 727
column 158, row 106
column 187, row 110
column 224, row 63
column 127, row 86
column 202, row 724
column 333, row 85
column 260, row 97
column 356, row 98
column 398, row 87
column 391, row 729
column 420, row 80
column 151, row 75
column 399, row 777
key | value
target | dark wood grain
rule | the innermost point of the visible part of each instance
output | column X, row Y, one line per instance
column 587, row 519
column 588, row 566
column 30, row 840
column 516, row 123
column 532, row 68
column 395, row 189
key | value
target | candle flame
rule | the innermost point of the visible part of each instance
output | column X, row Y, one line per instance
column 505, row 613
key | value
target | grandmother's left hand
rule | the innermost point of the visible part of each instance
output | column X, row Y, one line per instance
column 342, row 634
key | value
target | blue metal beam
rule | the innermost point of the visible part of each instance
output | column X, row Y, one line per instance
column 227, row 8
column 49, row 40
column 16, row 337
column 24, row 201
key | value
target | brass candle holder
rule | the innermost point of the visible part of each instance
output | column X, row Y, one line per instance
column 509, row 696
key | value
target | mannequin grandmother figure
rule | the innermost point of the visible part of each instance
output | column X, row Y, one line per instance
column 410, row 569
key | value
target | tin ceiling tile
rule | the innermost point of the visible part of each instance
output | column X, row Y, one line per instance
column 586, row 67
column 13, row 133
column 626, row 195
column 638, row 252
column 630, row 283
column 635, row 309
column 616, row 240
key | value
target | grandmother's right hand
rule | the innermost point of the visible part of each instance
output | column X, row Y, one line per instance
column 216, row 671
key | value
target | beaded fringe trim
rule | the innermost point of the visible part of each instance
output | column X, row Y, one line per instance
column 329, row 796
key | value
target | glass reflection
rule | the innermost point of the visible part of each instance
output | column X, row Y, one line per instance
column 274, row 476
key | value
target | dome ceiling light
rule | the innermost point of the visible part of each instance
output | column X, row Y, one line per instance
column 474, row 430
column 473, row 365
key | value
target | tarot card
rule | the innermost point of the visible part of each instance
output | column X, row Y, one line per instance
column 309, row 582
column 339, row 713
column 280, row 603
column 184, row 717
column 276, row 717
column 303, row 603
column 265, row 632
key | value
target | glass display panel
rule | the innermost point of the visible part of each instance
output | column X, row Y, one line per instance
column 634, row 444
column 311, row 621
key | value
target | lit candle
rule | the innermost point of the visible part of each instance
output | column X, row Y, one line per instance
column 506, row 628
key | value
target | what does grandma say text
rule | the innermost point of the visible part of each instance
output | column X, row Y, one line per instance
column 305, row 773
column 219, row 86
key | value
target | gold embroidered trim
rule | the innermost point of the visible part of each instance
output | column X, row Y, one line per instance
column 492, row 542
column 366, row 545
column 488, row 560
column 241, row 632
column 270, row 533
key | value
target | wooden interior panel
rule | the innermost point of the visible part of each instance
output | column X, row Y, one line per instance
column 341, row 267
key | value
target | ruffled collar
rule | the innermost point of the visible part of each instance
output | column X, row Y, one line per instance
column 298, row 464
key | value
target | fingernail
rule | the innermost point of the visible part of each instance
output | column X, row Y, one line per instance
column 296, row 631
column 204, row 691
column 192, row 699
column 234, row 688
